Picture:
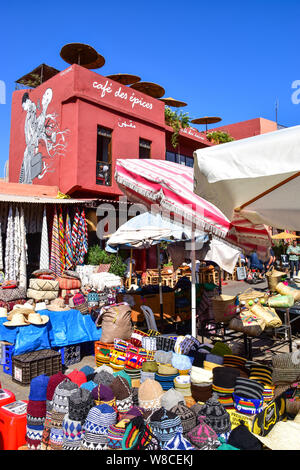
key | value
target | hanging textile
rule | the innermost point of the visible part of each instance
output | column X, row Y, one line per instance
column 83, row 234
column 75, row 229
column 61, row 229
column 55, row 255
column 68, row 245
column 17, row 244
column 1, row 247
column 44, row 253
column 9, row 248
column 23, row 251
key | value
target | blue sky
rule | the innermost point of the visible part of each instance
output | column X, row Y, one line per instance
column 231, row 59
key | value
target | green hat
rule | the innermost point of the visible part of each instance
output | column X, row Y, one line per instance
column 220, row 349
column 150, row 366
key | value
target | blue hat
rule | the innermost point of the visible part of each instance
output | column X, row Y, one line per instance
column 89, row 385
column 181, row 362
column 88, row 371
column 38, row 388
column 178, row 442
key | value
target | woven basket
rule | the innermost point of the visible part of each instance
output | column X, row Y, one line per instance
column 273, row 278
column 251, row 294
column 223, row 307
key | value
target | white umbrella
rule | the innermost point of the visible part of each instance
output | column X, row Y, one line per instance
column 44, row 253
column 258, row 177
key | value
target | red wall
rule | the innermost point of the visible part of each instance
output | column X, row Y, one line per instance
column 83, row 99
column 250, row 128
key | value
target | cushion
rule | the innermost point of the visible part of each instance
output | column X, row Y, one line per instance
column 8, row 295
column 43, row 284
column 69, row 283
column 37, row 272
column 42, row 294
column 70, row 275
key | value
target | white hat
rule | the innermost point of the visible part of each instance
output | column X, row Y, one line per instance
column 37, row 319
column 18, row 319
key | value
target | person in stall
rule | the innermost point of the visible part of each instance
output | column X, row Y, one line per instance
column 293, row 252
column 255, row 264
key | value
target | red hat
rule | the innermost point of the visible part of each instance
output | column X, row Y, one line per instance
column 54, row 380
column 77, row 377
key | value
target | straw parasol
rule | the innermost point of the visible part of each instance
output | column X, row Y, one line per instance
column 124, row 78
column 284, row 236
column 77, row 53
column 152, row 89
column 207, row 120
column 96, row 64
column 173, row 103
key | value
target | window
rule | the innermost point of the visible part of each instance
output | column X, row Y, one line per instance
column 145, row 149
column 181, row 159
column 103, row 164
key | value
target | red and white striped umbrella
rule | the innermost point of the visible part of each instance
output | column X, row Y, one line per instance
column 171, row 186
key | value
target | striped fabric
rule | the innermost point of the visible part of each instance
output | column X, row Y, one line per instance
column 75, row 229
column 68, row 243
column 61, row 229
column 44, row 253
column 171, row 185
column 55, row 254
column 248, row 388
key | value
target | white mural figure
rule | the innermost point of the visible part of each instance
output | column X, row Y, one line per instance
column 42, row 129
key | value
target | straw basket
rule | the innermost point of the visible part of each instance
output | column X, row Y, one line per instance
column 223, row 307
column 273, row 278
column 268, row 314
column 251, row 294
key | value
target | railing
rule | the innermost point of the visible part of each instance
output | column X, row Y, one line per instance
column 103, row 173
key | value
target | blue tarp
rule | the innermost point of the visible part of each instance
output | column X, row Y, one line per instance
column 63, row 329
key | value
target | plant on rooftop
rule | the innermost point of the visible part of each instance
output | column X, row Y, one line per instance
column 219, row 137
column 177, row 120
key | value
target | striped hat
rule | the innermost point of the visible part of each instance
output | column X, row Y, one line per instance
column 165, row 425
column 116, row 434
column 248, row 406
column 80, row 403
column 62, row 394
column 230, row 360
column 248, row 388
column 96, row 427
column 139, row 436
column 261, row 374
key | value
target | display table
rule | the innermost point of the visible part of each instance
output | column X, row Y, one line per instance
column 152, row 301
column 63, row 329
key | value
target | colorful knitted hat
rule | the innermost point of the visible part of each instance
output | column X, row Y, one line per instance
column 115, row 434
column 62, row 394
column 96, row 427
column 72, row 434
column 248, row 388
column 178, row 442
column 123, row 393
column 216, row 416
column 203, row 436
column 139, row 436
column 134, row 412
column 171, row 398
column 187, row 417
column 103, row 394
column 150, row 394
column 56, row 438
column 77, row 377
column 165, row 425
column 189, row 346
column 248, row 406
column 80, row 403
column 165, row 343
column 261, row 374
column 236, row 362
column 38, row 388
